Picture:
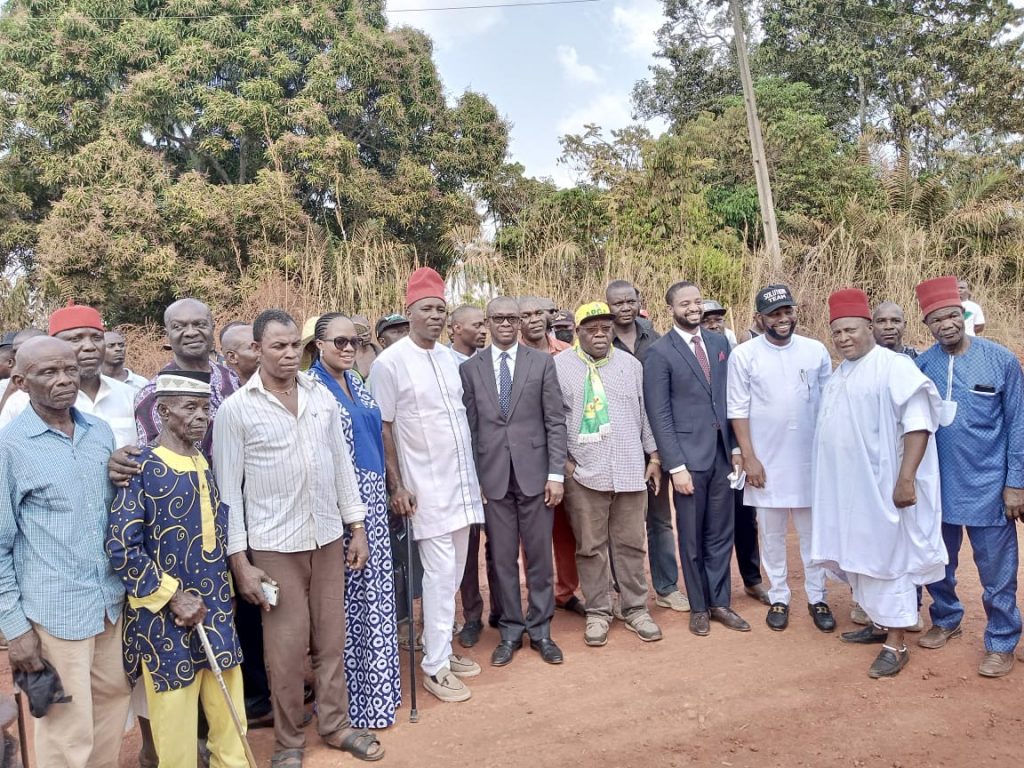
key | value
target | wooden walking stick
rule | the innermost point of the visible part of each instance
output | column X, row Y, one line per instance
column 414, row 715
column 22, row 737
column 211, row 657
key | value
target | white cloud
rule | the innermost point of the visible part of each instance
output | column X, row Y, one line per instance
column 447, row 29
column 637, row 23
column 573, row 69
column 608, row 110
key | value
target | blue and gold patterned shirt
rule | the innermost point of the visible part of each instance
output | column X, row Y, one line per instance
column 54, row 497
column 168, row 529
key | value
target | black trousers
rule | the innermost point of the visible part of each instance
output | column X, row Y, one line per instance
column 705, row 522
column 513, row 520
column 748, row 558
column 472, row 600
column 249, row 625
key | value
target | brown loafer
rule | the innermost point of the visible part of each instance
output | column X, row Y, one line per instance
column 730, row 618
column 937, row 636
column 996, row 664
column 700, row 623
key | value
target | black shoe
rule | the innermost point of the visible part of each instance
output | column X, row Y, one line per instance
column 547, row 649
column 469, row 635
column 493, row 620
column 822, row 615
column 867, row 636
column 573, row 605
column 503, row 654
column 778, row 617
column 889, row 662
column 700, row 623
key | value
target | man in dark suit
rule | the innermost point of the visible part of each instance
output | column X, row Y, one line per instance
column 517, row 418
column 685, row 396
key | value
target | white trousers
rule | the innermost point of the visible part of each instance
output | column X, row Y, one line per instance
column 444, row 560
column 772, row 525
column 891, row 603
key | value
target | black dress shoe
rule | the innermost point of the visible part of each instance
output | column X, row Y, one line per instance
column 730, row 618
column 494, row 620
column 870, row 634
column 758, row 592
column 700, row 623
column 778, row 617
column 469, row 635
column 547, row 649
column 822, row 615
column 503, row 654
column 889, row 662
column 573, row 605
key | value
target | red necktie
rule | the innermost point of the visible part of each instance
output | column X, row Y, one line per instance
column 702, row 358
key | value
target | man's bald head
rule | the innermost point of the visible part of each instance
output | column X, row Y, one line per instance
column 47, row 369
column 887, row 308
column 41, row 348
column 22, row 336
column 189, row 326
column 888, row 323
column 185, row 306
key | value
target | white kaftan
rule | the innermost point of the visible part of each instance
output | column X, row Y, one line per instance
column 867, row 407
column 420, row 392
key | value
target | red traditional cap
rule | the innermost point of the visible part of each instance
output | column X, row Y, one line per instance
column 937, row 293
column 424, row 283
column 75, row 316
column 849, row 302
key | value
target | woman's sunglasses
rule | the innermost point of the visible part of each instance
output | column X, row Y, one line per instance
column 340, row 342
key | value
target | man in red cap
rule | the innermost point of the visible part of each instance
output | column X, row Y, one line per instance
column 875, row 481
column 98, row 395
column 981, row 455
column 431, row 473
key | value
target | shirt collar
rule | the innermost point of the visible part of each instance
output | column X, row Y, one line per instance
column 35, row 426
column 255, row 382
column 179, row 463
column 688, row 337
column 512, row 352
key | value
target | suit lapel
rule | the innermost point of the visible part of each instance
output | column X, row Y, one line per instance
column 524, row 360
column 691, row 359
column 485, row 368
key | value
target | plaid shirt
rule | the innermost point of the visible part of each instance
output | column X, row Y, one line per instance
column 54, row 500
column 616, row 463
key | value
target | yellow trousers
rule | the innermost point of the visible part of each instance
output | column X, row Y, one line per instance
column 174, row 717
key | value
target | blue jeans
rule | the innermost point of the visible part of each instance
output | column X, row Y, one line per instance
column 661, row 539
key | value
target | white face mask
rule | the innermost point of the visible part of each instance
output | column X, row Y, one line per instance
column 948, row 412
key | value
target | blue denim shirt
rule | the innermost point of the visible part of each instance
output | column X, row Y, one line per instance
column 54, row 502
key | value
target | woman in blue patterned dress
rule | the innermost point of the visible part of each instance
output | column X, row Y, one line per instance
column 371, row 645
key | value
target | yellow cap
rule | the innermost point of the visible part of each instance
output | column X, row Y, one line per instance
column 592, row 310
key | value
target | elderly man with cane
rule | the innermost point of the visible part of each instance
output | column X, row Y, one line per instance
column 167, row 537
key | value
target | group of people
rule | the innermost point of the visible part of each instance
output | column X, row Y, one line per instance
column 192, row 544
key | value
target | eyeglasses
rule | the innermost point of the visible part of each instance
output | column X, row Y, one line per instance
column 502, row 319
column 340, row 342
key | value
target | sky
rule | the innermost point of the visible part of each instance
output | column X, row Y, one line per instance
column 548, row 70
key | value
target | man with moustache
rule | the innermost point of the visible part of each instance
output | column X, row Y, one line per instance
column 635, row 339
column 239, row 355
column 536, row 324
column 517, row 418
column 468, row 331
column 875, row 507
column 98, row 395
column 60, row 602
column 774, row 389
column 889, row 323
column 285, row 473
column 431, row 474
column 606, row 474
column 685, row 393
column 981, row 457
column 113, row 361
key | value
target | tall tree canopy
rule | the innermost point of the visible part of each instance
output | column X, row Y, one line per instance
column 343, row 116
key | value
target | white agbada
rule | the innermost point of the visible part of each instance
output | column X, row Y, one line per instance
column 420, row 391
column 867, row 407
column 779, row 390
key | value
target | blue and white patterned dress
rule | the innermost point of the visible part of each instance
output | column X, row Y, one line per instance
column 371, row 639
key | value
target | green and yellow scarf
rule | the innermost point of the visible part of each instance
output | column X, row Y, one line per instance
column 595, row 423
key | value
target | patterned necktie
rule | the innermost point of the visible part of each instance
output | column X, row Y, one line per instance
column 504, row 384
column 702, row 358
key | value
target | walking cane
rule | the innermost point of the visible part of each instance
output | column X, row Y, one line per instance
column 22, row 738
column 211, row 657
column 414, row 715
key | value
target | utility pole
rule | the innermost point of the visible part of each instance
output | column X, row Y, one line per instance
column 764, row 187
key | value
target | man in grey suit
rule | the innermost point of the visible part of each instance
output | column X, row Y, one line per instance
column 685, row 397
column 517, row 418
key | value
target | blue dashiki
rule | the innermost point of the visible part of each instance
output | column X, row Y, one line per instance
column 169, row 528
column 371, row 636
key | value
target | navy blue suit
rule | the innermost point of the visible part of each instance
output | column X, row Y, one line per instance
column 690, row 424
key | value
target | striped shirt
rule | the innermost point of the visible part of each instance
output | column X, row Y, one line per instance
column 55, row 495
column 616, row 463
column 288, row 482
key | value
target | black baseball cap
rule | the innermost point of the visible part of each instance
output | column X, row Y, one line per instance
column 7, row 340
column 390, row 322
column 773, row 297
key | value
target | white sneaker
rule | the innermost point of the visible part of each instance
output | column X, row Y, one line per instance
column 446, row 686
column 675, row 601
column 462, row 666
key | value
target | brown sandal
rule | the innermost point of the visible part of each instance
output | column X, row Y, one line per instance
column 359, row 744
column 287, row 758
